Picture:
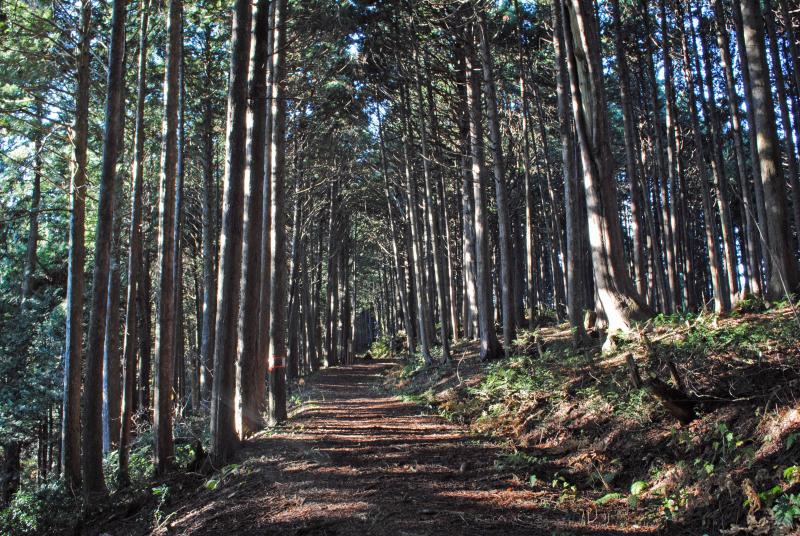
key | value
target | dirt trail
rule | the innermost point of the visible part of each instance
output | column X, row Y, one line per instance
column 356, row 461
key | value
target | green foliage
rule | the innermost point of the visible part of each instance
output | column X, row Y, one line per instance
column 162, row 495
column 381, row 348
column 38, row 510
column 516, row 376
column 608, row 497
column 516, row 460
column 787, row 509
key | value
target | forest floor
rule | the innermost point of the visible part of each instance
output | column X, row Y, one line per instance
column 357, row 460
column 544, row 442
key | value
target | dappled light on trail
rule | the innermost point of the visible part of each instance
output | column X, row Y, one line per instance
column 355, row 460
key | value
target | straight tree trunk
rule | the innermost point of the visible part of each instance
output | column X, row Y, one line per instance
column 92, row 402
column 468, row 268
column 783, row 276
column 631, row 164
column 416, row 257
column 134, row 253
column 266, row 218
column 165, row 328
column 755, row 165
column 616, row 294
column 753, row 282
column 718, row 166
column 496, row 142
column 721, row 301
column 572, row 194
column 400, row 273
column 489, row 345
column 224, row 439
column 278, row 291
column 71, row 425
column 431, row 210
column 786, row 120
column 209, row 229
column 249, row 375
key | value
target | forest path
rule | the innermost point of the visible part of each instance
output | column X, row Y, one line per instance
column 355, row 460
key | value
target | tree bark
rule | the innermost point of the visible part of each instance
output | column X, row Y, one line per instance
column 501, row 196
column 753, row 282
column 92, row 402
column 71, row 425
column 165, row 328
column 783, row 275
column 572, row 195
column 489, row 345
column 209, row 230
column 223, row 426
column 134, row 252
column 617, row 296
column 278, row 295
column 249, row 375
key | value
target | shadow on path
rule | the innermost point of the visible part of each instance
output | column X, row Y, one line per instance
column 356, row 461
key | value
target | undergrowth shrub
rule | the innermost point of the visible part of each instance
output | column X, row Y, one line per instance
column 37, row 511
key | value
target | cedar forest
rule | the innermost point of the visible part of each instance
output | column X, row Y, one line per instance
column 561, row 236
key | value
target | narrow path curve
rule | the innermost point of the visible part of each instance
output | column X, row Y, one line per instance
column 355, row 460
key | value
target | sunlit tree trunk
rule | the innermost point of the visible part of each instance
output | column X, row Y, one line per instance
column 615, row 291
column 753, row 281
column 755, row 165
column 501, row 195
column 572, row 192
column 783, row 275
column 278, row 291
column 432, row 219
column 249, row 376
column 209, row 229
column 224, row 439
column 490, row 346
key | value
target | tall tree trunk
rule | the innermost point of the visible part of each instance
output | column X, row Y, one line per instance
column 783, row 277
column 616, row 294
column 786, row 120
column 165, row 328
column 111, row 342
column 468, row 267
column 278, row 291
column 431, row 211
column 718, row 166
column 575, row 219
column 134, row 252
column 721, row 301
column 755, row 165
column 249, row 375
column 489, row 346
column 209, row 229
column 753, row 282
column 399, row 272
column 71, row 425
column 92, row 402
column 416, row 257
column 631, row 164
column 223, row 426
column 496, row 142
